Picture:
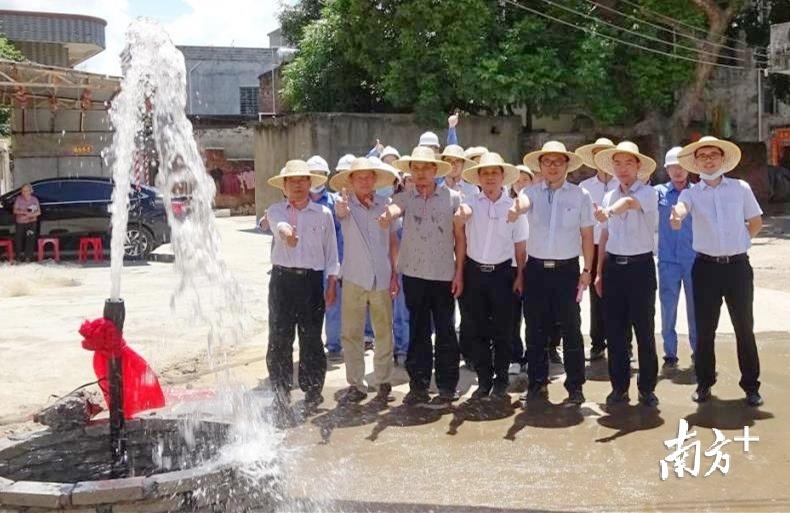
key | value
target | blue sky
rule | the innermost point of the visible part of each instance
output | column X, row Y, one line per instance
column 189, row 22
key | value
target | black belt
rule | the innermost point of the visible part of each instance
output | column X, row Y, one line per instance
column 294, row 270
column 553, row 264
column 489, row 268
column 723, row 259
column 629, row 259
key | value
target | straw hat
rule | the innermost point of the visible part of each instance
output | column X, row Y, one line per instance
column 532, row 160
column 586, row 152
column 524, row 169
column 491, row 159
column 422, row 154
column 389, row 151
column 732, row 154
column 294, row 168
column 455, row 152
column 344, row 162
column 317, row 164
column 429, row 139
column 603, row 160
column 475, row 151
column 343, row 178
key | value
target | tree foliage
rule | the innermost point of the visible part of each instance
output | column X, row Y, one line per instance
column 487, row 56
column 7, row 51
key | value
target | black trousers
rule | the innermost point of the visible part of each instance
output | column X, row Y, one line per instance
column 430, row 300
column 25, row 235
column 734, row 282
column 518, row 351
column 630, row 300
column 550, row 300
column 597, row 329
column 488, row 304
column 296, row 301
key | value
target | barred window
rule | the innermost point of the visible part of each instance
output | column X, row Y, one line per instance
column 248, row 100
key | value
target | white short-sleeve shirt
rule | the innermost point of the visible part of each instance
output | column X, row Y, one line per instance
column 633, row 232
column 556, row 220
column 490, row 238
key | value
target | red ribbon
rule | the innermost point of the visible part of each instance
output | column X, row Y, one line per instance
column 102, row 336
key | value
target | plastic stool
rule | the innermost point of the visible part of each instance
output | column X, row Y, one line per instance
column 42, row 247
column 9, row 249
column 95, row 244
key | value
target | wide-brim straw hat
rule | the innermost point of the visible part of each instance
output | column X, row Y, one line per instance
column 295, row 168
column 454, row 151
column 532, row 159
column 586, row 152
column 423, row 154
column 525, row 169
column 384, row 178
column 474, row 151
column 491, row 159
column 603, row 160
column 732, row 153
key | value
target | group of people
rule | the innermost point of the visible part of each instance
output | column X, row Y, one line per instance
column 406, row 237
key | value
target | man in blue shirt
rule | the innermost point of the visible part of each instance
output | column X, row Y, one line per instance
column 675, row 260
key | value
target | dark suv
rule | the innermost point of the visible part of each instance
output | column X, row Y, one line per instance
column 79, row 207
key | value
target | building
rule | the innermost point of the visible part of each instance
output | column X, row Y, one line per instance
column 59, row 123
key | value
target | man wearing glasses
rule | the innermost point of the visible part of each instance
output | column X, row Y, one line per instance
column 561, row 227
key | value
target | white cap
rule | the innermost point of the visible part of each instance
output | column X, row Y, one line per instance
column 671, row 158
column 317, row 164
column 389, row 150
column 344, row 164
column 429, row 139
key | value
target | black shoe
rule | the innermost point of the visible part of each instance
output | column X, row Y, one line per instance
column 754, row 399
column 576, row 396
column 370, row 344
column 554, row 356
column 353, row 395
column 648, row 399
column 616, row 397
column 384, row 395
column 535, row 393
column 480, row 394
column 312, row 400
column 447, row 396
column 701, row 395
column 500, row 394
column 415, row 397
column 670, row 364
column 597, row 353
column 469, row 365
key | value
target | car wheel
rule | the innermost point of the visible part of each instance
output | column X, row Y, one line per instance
column 139, row 242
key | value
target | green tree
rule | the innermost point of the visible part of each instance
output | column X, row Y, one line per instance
column 295, row 18
column 7, row 51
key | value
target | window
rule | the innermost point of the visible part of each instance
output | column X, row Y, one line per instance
column 248, row 101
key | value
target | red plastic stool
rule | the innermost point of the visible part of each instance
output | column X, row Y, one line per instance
column 95, row 244
column 42, row 247
column 9, row 249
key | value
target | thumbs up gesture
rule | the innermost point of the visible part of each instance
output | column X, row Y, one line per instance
column 462, row 214
column 675, row 221
column 341, row 204
column 452, row 120
column 289, row 235
column 385, row 219
column 601, row 215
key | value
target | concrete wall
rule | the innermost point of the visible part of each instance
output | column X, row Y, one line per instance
column 332, row 135
column 215, row 74
column 237, row 142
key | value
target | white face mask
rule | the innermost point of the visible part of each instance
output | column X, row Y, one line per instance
column 386, row 192
column 712, row 176
column 318, row 190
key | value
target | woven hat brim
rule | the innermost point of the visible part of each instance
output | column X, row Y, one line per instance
column 532, row 160
column 511, row 174
column 732, row 155
column 316, row 180
column 586, row 153
column 343, row 179
column 603, row 161
column 402, row 164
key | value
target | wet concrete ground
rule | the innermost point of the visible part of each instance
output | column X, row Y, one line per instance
column 469, row 459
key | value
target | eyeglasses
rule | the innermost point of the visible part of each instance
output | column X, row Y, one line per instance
column 553, row 163
column 708, row 156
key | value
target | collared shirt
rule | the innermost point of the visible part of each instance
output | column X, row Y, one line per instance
column 327, row 199
column 490, row 238
column 317, row 246
column 597, row 190
column 633, row 232
column 30, row 205
column 466, row 189
column 427, row 248
column 673, row 245
column 555, row 220
column 719, row 216
column 367, row 259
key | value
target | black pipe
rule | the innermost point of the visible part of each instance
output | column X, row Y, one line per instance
column 115, row 311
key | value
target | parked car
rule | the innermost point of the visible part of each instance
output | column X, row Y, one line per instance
column 79, row 207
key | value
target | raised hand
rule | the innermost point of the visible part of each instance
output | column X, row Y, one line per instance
column 600, row 214
column 341, row 204
column 289, row 235
column 462, row 214
column 675, row 221
column 385, row 218
column 452, row 121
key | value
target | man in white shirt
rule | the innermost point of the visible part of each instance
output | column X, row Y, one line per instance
column 626, row 271
column 596, row 186
column 489, row 278
column 305, row 246
column 561, row 227
column 725, row 216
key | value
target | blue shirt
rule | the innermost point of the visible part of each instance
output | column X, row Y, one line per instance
column 327, row 199
column 673, row 246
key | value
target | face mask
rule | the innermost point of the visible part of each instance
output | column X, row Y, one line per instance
column 712, row 176
column 318, row 190
column 386, row 192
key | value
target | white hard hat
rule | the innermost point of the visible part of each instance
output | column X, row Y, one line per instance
column 344, row 163
column 389, row 150
column 317, row 164
column 429, row 139
column 671, row 158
